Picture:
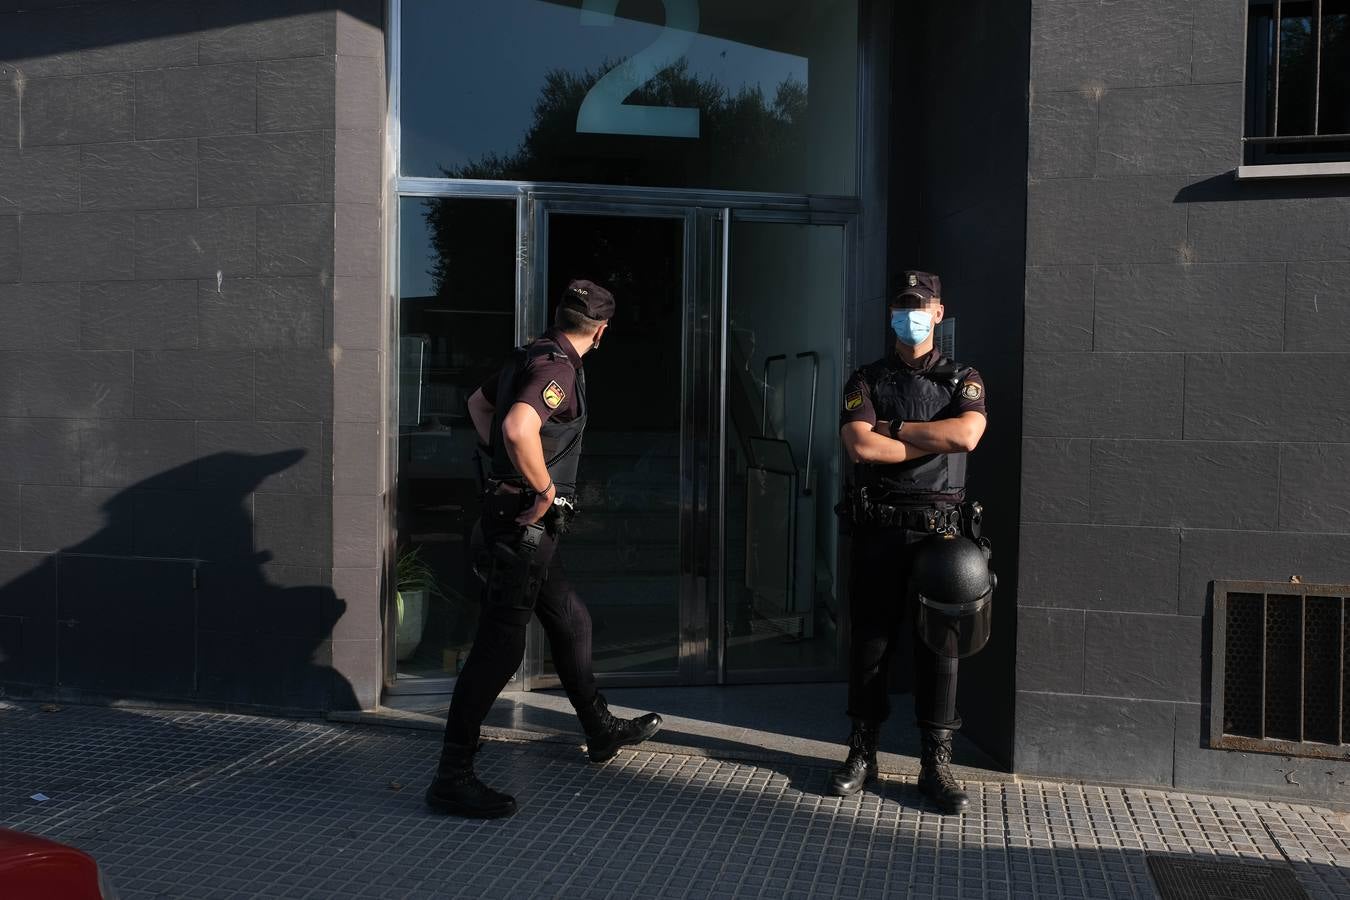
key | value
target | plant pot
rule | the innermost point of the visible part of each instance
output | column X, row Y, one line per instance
column 411, row 607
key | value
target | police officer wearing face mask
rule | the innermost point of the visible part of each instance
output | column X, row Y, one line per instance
column 530, row 419
column 907, row 423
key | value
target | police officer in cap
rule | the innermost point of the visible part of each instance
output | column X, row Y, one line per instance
column 530, row 419
column 907, row 423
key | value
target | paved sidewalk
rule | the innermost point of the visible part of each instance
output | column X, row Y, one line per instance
column 180, row 804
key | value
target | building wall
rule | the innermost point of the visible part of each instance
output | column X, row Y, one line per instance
column 959, row 209
column 1186, row 388
column 175, row 178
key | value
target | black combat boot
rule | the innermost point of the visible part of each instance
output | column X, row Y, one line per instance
column 457, row 791
column 861, row 765
column 605, row 733
column 935, row 775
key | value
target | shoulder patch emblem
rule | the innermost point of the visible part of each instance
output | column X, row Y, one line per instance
column 852, row 400
column 972, row 391
column 554, row 395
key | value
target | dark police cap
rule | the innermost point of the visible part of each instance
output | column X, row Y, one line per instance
column 589, row 299
column 921, row 286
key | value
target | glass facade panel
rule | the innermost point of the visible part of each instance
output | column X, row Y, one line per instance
column 457, row 274
column 755, row 95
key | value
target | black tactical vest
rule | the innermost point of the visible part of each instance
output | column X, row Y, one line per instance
column 561, row 440
column 900, row 392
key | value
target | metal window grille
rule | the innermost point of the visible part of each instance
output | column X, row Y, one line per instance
column 1298, row 81
column 1280, row 681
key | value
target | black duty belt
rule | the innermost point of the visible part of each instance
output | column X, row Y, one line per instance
column 863, row 509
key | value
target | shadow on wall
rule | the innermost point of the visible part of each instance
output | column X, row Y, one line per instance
column 170, row 599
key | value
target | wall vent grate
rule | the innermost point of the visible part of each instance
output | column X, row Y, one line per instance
column 1280, row 683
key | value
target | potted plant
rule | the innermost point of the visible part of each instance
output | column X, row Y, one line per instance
column 415, row 581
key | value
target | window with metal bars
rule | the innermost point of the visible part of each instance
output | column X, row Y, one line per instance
column 1279, row 679
column 1298, row 82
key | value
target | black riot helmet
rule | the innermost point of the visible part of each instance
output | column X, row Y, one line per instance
column 955, row 585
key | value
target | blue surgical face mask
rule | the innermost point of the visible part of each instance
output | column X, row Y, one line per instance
column 911, row 326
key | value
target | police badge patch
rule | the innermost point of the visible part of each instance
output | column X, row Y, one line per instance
column 553, row 395
column 972, row 391
column 852, row 400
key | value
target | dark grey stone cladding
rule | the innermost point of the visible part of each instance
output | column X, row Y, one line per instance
column 1186, row 392
column 167, row 208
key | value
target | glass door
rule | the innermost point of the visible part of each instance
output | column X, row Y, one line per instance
column 785, row 299
column 627, row 552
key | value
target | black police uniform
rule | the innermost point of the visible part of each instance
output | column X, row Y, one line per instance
column 522, row 568
column 891, row 508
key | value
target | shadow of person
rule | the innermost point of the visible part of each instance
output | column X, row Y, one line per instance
column 171, row 599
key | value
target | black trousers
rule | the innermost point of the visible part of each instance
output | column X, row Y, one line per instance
column 499, row 646
column 882, row 610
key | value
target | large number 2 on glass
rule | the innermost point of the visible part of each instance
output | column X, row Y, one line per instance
column 603, row 110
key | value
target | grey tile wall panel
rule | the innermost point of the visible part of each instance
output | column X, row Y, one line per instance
column 11, row 403
column 40, row 43
column 10, row 248
column 1123, row 395
column 207, row 525
column 1058, row 311
column 1314, row 487
column 357, row 306
column 1262, row 226
column 296, row 95
column 131, row 452
column 40, row 179
column 9, row 517
column 39, row 316
column 38, row 577
column 78, row 247
column 360, row 28
column 1185, row 483
column 1317, row 307
column 295, row 240
column 244, row 170
column 359, row 167
column 138, row 315
column 196, row 243
column 1290, row 397
column 1209, row 555
column 356, row 530
column 1115, row 740
column 1218, row 54
column 360, row 93
column 1072, row 221
column 75, row 519
column 1190, row 307
column 295, row 528
column 147, row 34
column 357, row 447
column 194, row 385
column 1251, row 774
column 87, row 384
column 139, row 175
column 1055, row 479
column 1063, row 134
column 1148, row 657
column 262, row 313
column 78, row 109
column 196, row 102
column 359, row 247
column 1099, row 567
column 1140, row 128
column 1079, row 46
column 1050, row 647
column 357, row 674
column 263, row 456
column 293, row 386
column 358, row 590
column 358, row 386
column 9, row 108
column 265, row 29
column 40, row 450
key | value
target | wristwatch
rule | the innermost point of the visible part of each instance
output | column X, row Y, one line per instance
column 895, row 427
